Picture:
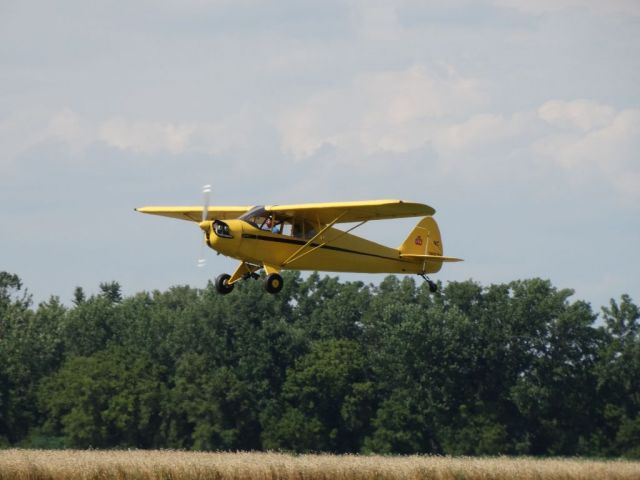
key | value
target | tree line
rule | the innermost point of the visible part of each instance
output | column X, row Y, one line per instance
column 325, row 366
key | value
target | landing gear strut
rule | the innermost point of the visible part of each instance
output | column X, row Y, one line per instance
column 273, row 283
column 433, row 287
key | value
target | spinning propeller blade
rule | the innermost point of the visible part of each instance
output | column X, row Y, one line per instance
column 206, row 192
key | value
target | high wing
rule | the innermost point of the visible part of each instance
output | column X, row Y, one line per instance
column 350, row 212
column 194, row 214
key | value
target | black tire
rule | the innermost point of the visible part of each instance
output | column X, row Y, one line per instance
column 433, row 287
column 221, row 284
column 274, row 283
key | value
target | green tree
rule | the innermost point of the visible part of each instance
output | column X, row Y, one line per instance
column 15, row 316
column 79, row 296
column 89, row 327
column 425, row 359
column 30, row 349
column 112, row 291
column 211, row 408
column 328, row 309
column 513, row 368
column 404, row 423
column 108, row 399
column 326, row 401
column 618, row 376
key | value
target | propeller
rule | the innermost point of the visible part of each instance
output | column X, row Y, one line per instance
column 206, row 193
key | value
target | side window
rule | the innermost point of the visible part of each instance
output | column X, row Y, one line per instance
column 305, row 230
column 309, row 230
column 296, row 230
column 300, row 229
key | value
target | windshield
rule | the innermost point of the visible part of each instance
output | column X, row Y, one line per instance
column 256, row 216
column 254, row 212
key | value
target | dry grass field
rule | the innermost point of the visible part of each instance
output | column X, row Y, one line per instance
column 170, row 465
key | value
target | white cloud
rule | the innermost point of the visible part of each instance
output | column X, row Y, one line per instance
column 150, row 137
column 581, row 114
column 394, row 111
column 146, row 137
column 68, row 127
column 581, row 141
column 607, row 152
column 77, row 132
column 479, row 132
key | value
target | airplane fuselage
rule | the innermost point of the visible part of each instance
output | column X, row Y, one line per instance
column 333, row 250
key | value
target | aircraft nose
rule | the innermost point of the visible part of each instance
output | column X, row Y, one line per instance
column 206, row 225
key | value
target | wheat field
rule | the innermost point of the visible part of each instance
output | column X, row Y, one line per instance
column 172, row 465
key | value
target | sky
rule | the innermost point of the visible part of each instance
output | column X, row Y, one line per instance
column 518, row 121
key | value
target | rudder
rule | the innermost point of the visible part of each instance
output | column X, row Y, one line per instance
column 424, row 239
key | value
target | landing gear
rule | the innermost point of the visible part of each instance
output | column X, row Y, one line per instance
column 222, row 284
column 273, row 283
column 433, row 287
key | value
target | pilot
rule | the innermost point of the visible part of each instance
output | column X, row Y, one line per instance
column 269, row 225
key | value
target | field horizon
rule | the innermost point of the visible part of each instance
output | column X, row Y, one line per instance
column 22, row 464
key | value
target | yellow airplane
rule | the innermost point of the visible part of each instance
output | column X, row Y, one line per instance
column 303, row 237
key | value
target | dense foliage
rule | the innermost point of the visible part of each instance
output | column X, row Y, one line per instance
column 514, row 368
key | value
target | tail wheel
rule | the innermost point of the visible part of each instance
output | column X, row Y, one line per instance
column 433, row 286
column 274, row 283
column 222, row 284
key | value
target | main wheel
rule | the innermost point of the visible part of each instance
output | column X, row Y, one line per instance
column 274, row 283
column 433, row 287
column 221, row 284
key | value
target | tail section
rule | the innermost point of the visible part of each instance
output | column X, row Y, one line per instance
column 424, row 239
column 424, row 242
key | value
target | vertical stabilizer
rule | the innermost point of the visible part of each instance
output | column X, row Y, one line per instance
column 424, row 239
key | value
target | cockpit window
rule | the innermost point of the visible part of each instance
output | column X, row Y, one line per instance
column 292, row 227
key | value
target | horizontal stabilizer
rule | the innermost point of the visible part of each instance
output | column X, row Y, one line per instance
column 436, row 258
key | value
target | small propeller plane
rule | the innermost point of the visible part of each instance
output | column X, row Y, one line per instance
column 303, row 237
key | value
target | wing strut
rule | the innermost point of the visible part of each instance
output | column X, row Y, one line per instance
column 293, row 257
column 298, row 255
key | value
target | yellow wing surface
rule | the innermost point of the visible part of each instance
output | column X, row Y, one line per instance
column 350, row 212
column 194, row 214
column 322, row 213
